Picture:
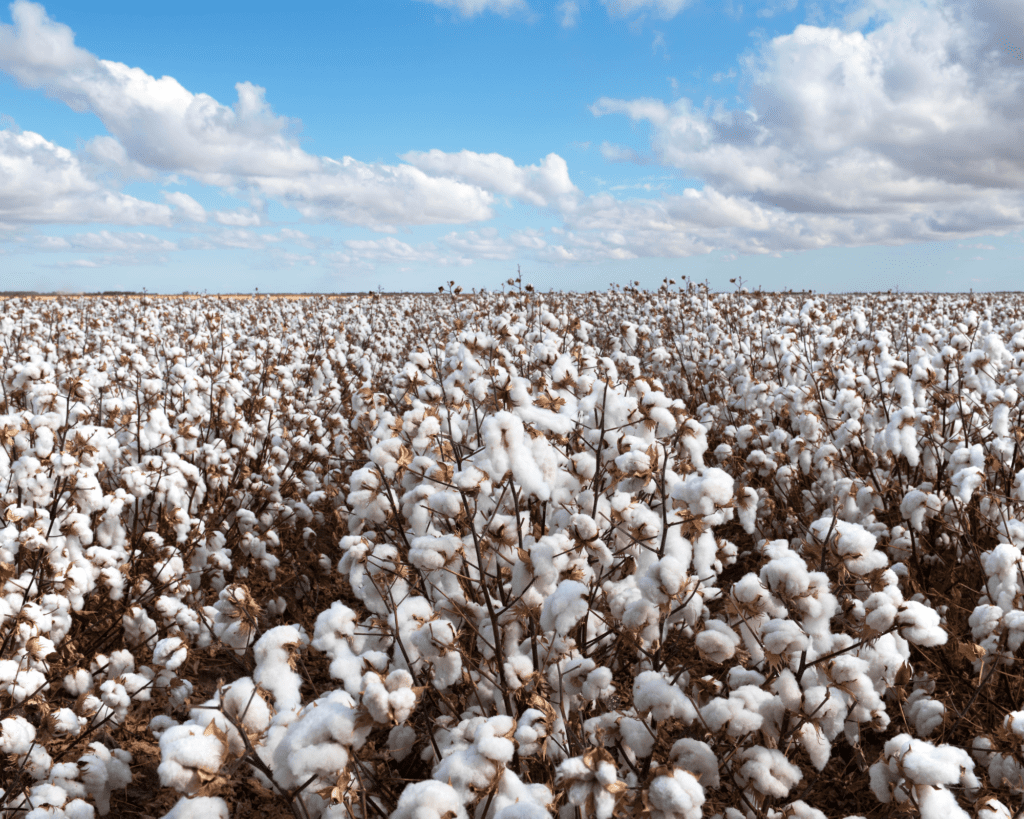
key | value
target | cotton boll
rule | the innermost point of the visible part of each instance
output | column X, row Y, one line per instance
column 429, row 799
column 678, row 796
column 170, row 652
column 920, row 624
column 401, row 740
column 17, row 735
column 565, row 607
column 653, row 694
column 924, row 713
column 199, row 807
column 243, row 701
column 103, row 771
column 273, row 670
column 531, row 731
column 717, row 642
column 813, row 740
column 318, row 741
column 185, row 752
column 767, row 771
column 697, row 758
column 992, row 808
column 515, row 799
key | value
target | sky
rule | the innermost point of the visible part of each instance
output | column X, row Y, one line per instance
column 398, row 145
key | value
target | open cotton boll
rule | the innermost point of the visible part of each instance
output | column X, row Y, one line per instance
column 768, row 772
column 318, row 741
column 333, row 634
column 17, row 735
column 717, row 642
column 853, row 543
column 697, row 758
column 678, row 796
column 515, row 799
column 506, row 448
column 273, row 652
column 920, row 624
column 429, row 799
column 706, row 492
column 436, row 642
column 199, row 807
column 185, row 752
column 565, row 607
column 103, row 771
column 654, row 694
column 918, row 767
column 924, row 713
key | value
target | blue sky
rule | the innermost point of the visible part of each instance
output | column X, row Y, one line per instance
column 833, row 145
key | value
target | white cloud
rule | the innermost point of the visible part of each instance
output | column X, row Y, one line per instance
column 665, row 9
column 160, row 126
column 908, row 133
column 570, row 12
column 471, row 8
column 482, row 244
column 43, row 182
column 105, row 241
column 544, row 185
column 238, row 218
column 188, row 207
column 773, row 7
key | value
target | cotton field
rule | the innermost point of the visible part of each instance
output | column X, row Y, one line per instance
column 667, row 554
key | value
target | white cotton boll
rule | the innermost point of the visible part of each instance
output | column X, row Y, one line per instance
column 653, row 694
column 746, row 508
column 46, row 793
column 65, row 721
column 517, row 800
column 992, row 808
column 78, row 809
column 243, row 701
column 697, row 758
column 636, row 736
column 103, row 771
column 429, row 799
column 854, row 544
column 273, row 671
column 16, row 735
column 565, row 607
column 782, row 637
column 319, row 740
column 768, row 771
column 813, row 740
column 801, row 810
column 717, row 642
column 531, row 731
column 678, row 796
column 171, row 653
column 966, row 482
column 185, row 751
column 401, row 740
column 160, row 723
column 199, row 807
column 924, row 713
column 788, row 690
column 920, row 624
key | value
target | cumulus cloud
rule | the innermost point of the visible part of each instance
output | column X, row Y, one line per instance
column 570, row 13
column 157, row 125
column 665, row 9
column 42, row 182
column 186, row 206
column 106, row 241
column 546, row 184
column 471, row 8
column 908, row 133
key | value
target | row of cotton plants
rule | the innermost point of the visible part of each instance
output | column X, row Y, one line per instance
column 513, row 556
